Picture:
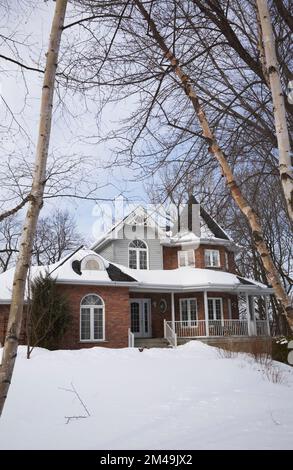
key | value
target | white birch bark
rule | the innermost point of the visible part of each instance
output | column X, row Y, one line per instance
column 282, row 134
column 215, row 149
column 34, row 206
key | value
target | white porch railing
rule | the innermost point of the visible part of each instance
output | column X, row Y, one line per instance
column 130, row 339
column 199, row 329
column 170, row 334
column 228, row 328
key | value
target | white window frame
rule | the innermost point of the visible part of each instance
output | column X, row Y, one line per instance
column 188, row 321
column 92, row 307
column 137, row 254
column 226, row 261
column 185, row 254
column 214, row 299
column 208, row 253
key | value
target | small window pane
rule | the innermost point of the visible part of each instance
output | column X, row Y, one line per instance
column 143, row 260
column 192, row 309
column 98, row 323
column 85, row 324
column 211, row 309
column 132, row 259
column 135, row 326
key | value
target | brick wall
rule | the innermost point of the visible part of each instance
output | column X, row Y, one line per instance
column 170, row 257
column 4, row 314
column 117, row 316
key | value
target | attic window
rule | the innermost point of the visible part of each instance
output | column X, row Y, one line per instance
column 91, row 263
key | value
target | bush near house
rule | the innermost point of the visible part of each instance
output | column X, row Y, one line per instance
column 48, row 313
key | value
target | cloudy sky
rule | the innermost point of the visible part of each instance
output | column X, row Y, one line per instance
column 21, row 90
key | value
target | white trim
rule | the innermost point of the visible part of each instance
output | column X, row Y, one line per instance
column 206, row 312
column 138, row 250
column 91, row 307
column 173, row 310
column 229, row 309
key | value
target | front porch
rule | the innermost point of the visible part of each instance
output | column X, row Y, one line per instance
column 204, row 315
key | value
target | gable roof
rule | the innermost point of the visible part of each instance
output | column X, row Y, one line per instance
column 110, row 234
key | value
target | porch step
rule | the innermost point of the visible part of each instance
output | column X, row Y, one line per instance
column 151, row 343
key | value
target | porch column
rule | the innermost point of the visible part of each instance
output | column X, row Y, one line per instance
column 253, row 322
column 267, row 314
column 206, row 312
column 173, row 311
column 248, row 315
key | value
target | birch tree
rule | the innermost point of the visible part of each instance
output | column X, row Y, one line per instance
column 34, row 205
column 220, row 156
column 272, row 68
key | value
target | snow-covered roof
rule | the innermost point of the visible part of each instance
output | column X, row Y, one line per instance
column 70, row 270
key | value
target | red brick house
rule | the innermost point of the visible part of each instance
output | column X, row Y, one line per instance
column 139, row 282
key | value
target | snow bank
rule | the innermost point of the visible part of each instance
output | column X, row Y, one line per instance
column 188, row 398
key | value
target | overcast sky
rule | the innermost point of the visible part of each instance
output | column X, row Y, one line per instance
column 32, row 22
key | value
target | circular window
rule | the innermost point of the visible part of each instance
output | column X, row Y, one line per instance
column 163, row 306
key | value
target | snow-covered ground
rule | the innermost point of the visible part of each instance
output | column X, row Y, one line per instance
column 188, row 398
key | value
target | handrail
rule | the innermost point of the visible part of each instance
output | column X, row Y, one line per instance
column 169, row 334
column 130, row 339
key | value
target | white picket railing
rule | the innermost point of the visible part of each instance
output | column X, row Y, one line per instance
column 130, row 339
column 170, row 334
column 194, row 329
column 228, row 328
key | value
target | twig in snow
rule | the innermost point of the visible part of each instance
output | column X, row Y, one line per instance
column 73, row 390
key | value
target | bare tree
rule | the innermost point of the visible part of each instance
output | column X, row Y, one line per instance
column 55, row 236
column 272, row 67
column 29, row 228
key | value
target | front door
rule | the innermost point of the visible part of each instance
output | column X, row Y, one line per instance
column 140, row 311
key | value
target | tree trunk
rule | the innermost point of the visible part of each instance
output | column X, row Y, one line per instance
column 35, row 204
column 272, row 67
column 214, row 148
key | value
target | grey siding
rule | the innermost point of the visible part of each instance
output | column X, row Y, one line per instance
column 107, row 252
column 117, row 250
column 154, row 252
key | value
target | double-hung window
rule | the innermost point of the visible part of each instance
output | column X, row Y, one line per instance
column 186, row 258
column 212, row 258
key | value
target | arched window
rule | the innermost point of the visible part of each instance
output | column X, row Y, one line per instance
column 138, row 255
column 92, row 318
column 91, row 263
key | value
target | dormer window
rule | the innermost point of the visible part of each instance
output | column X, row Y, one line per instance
column 212, row 258
column 186, row 258
column 138, row 255
column 91, row 263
